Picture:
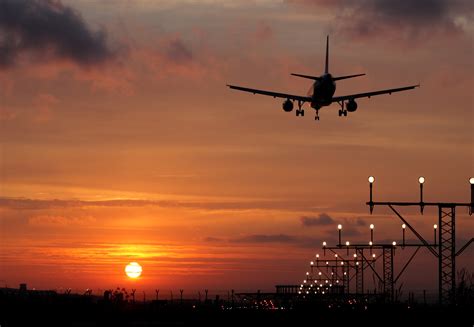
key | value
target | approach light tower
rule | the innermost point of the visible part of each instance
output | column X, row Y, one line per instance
column 445, row 249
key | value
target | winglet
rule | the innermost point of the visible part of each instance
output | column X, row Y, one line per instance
column 326, row 69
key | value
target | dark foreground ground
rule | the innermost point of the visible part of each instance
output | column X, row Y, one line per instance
column 75, row 310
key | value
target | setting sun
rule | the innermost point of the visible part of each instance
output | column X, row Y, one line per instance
column 133, row 270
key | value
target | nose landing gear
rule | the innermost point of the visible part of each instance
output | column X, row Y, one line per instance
column 317, row 115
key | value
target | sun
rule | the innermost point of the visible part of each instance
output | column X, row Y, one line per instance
column 133, row 270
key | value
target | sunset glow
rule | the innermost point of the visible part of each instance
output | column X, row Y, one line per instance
column 120, row 142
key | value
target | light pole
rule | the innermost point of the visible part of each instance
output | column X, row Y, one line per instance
column 435, row 227
column 403, row 233
column 471, row 209
column 421, row 180
column 339, row 229
column 371, row 202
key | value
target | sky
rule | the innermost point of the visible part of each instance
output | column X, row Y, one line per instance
column 120, row 141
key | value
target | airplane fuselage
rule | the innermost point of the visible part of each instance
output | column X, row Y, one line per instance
column 322, row 91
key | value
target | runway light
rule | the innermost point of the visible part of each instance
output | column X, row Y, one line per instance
column 421, row 180
column 371, row 179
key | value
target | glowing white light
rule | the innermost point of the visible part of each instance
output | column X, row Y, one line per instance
column 421, row 180
column 324, row 243
column 404, row 226
column 373, row 255
column 355, row 255
column 339, row 226
column 371, row 226
column 371, row 179
column 471, row 180
column 312, row 263
column 435, row 226
column 317, row 255
column 394, row 243
column 347, row 243
column 319, row 273
column 370, row 243
column 307, row 273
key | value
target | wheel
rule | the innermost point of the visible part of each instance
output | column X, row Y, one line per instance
column 345, row 113
column 340, row 112
column 302, row 112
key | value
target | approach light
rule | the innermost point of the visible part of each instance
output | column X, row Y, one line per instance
column 421, row 180
column 317, row 255
column 324, row 243
column 355, row 255
column 312, row 263
column 371, row 226
column 394, row 243
column 347, row 243
column 371, row 179
column 370, row 243
column 471, row 180
column 339, row 226
column 435, row 226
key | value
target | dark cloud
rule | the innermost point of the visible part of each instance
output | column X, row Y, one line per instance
column 322, row 220
column 405, row 19
column 178, row 52
column 48, row 29
column 361, row 222
column 262, row 238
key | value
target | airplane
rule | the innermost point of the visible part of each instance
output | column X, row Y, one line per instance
column 322, row 91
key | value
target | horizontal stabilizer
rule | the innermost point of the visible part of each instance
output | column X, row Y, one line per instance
column 347, row 76
column 316, row 78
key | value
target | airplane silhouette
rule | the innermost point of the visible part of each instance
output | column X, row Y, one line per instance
column 322, row 91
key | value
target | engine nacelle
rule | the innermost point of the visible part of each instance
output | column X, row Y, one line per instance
column 288, row 105
column 351, row 106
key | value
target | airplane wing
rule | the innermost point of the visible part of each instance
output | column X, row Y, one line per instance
column 272, row 94
column 370, row 94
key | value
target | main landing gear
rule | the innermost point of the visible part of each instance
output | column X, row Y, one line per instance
column 299, row 111
column 317, row 115
column 342, row 111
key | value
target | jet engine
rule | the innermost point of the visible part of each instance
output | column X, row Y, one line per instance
column 288, row 105
column 351, row 106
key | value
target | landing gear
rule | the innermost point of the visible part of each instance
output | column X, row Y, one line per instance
column 299, row 111
column 317, row 115
column 342, row 111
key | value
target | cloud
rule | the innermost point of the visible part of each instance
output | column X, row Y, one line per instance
column 262, row 238
column 40, row 204
column 48, row 29
column 177, row 52
column 402, row 19
column 51, row 220
column 322, row 220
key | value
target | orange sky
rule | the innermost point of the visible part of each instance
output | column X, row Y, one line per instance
column 125, row 144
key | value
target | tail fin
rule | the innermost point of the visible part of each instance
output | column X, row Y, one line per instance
column 326, row 70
